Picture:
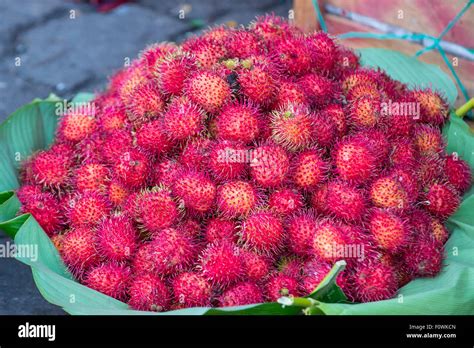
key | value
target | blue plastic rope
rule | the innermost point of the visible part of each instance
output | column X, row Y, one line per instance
column 413, row 37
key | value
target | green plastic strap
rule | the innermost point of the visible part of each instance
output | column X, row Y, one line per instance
column 322, row 22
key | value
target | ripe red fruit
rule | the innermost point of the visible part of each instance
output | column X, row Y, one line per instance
column 365, row 112
column 257, row 83
column 166, row 172
column 424, row 258
column 183, row 119
column 390, row 231
column 236, row 198
column 434, row 110
column 207, row 51
column 191, row 290
column 155, row 53
column 314, row 272
column 115, row 145
column 336, row 114
column 428, row 140
column 51, row 168
column 195, row 153
column 301, row 229
column 388, row 192
column 292, row 127
column 87, row 209
column 374, row 281
column 281, row 285
column 354, row 159
column 263, row 232
column 241, row 294
column 208, row 90
column 149, row 293
column 144, row 103
column 293, row 55
column 173, row 71
column 196, row 190
column 285, row 201
column 91, row 177
column 443, row 199
column 45, row 208
column 228, row 159
column 116, row 192
column 132, row 168
column 218, row 229
column 256, row 267
column 79, row 250
column 290, row 93
column 323, row 50
column 109, row 278
column 242, row 44
column 345, row 201
column 221, row 263
column 403, row 153
column 458, row 173
column 327, row 240
column 238, row 122
column 319, row 199
column 116, row 238
column 76, row 126
column 308, row 169
column 270, row 165
column 319, row 89
column 272, row 27
column 152, row 138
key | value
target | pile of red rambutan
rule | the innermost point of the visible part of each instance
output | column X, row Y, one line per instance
column 236, row 168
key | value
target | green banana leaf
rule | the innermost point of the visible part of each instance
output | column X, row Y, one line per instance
column 32, row 128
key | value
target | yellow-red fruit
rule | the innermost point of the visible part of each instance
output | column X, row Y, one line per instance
column 354, row 159
column 390, row 231
column 144, row 103
column 112, row 118
column 434, row 110
column 328, row 240
column 76, row 126
column 263, row 232
column 51, row 168
column 218, row 229
column 208, row 90
column 388, row 192
column 148, row 292
column 221, row 263
column 238, row 122
column 442, row 199
column 292, row 127
column 116, row 238
column 345, row 201
column 301, row 229
column 241, row 294
column 117, row 193
column 207, row 51
column 79, row 250
column 110, row 279
column 358, row 77
column 285, row 201
column 132, row 168
column 428, row 140
column 91, row 177
column 270, row 165
column 308, row 169
column 458, row 173
column 196, row 190
column 281, row 285
column 88, row 209
column 157, row 52
column 438, row 231
column 183, row 119
column 152, row 138
column 336, row 114
column 173, row 72
column 365, row 112
column 191, row 290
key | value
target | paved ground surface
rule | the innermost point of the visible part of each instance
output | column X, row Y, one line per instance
column 64, row 47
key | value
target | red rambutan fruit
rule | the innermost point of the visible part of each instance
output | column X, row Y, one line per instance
column 152, row 137
column 76, row 126
column 354, row 159
column 293, row 55
column 281, row 285
column 155, row 53
column 443, row 199
column 323, row 50
column 434, row 110
column 458, row 173
column 208, row 90
column 430, row 168
column 45, row 208
column 438, row 231
column 91, row 177
column 195, row 153
column 242, row 44
column 403, row 153
column 111, row 279
column 270, row 165
column 241, row 294
column 365, row 112
column 292, row 127
column 314, row 272
column 208, row 52
column 428, row 140
column 319, row 89
column 236, row 198
column 388, row 192
column 257, row 83
column 360, row 76
column 272, row 27
column 166, row 172
column 115, row 145
column 238, row 122
column 345, row 201
column 112, row 118
column 191, row 290
column 285, row 201
column 149, row 293
column 227, row 159
column 51, row 168
column 79, row 250
column 263, row 232
column 389, row 230
column 301, row 229
column 221, row 263
column 88, row 209
column 116, row 238
column 218, row 229
column 337, row 115
column 256, row 267
column 183, row 119
column 374, row 281
column 132, row 168
column 196, row 190
column 319, row 199
column 116, row 192
column 173, row 71
column 424, row 258
column 144, row 103
column 290, row 92
column 327, row 239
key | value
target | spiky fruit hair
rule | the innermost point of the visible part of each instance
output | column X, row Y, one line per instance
column 148, row 292
column 241, row 294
